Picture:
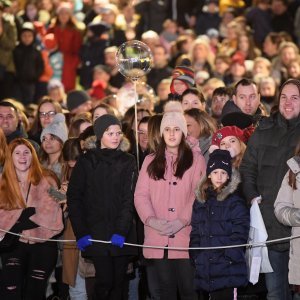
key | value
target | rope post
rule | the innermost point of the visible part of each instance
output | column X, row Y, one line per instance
column 136, row 124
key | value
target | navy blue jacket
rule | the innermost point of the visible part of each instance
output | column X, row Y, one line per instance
column 221, row 220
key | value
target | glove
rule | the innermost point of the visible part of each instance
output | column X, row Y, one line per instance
column 117, row 240
column 84, row 242
column 26, row 214
column 172, row 228
column 23, row 223
column 157, row 224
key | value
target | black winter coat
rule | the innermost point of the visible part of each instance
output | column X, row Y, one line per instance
column 264, row 166
column 91, row 55
column 100, row 200
column 221, row 220
column 29, row 63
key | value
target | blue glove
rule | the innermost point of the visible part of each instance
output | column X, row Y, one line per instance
column 117, row 240
column 83, row 242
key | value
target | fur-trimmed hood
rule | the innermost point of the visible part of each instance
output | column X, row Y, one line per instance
column 226, row 191
column 90, row 143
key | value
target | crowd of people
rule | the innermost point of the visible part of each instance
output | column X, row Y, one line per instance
column 216, row 128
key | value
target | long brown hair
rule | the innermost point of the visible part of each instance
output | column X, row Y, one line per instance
column 156, row 169
column 154, row 137
column 10, row 193
column 71, row 151
column 3, row 147
column 292, row 176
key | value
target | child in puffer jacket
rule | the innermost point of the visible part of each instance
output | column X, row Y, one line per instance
column 220, row 218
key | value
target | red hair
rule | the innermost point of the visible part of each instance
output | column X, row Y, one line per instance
column 10, row 193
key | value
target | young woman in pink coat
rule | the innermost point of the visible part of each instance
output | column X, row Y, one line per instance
column 27, row 208
column 164, row 197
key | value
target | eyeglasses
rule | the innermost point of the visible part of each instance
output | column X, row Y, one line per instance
column 111, row 134
column 47, row 114
column 7, row 118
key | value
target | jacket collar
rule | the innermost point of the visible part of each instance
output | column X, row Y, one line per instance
column 278, row 118
column 18, row 133
column 226, row 191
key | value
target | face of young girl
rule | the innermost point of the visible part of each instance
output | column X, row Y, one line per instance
column 172, row 136
column 218, row 177
column 179, row 86
column 232, row 144
column 51, row 144
column 22, row 158
column 111, row 137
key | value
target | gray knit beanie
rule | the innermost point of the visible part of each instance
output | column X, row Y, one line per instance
column 58, row 128
column 103, row 122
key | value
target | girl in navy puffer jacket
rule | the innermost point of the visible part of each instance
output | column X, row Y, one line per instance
column 220, row 218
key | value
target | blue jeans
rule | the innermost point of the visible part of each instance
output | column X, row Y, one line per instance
column 277, row 282
column 78, row 292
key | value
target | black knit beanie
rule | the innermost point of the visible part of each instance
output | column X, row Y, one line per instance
column 219, row 159
column 103, row 122
column 75, row 98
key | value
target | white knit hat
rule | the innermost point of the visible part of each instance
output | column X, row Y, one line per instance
column 58, row 128
column 173, row 118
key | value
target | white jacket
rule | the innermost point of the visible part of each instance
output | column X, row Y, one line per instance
column 287, row 211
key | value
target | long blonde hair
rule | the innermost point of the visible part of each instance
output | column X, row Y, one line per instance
column 10, row 193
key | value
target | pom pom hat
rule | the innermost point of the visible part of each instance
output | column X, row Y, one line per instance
column 173, row 116
column 219, row 159
column 58, row 128
column 185, row 74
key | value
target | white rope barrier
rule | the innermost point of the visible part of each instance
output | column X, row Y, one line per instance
column 249, row 245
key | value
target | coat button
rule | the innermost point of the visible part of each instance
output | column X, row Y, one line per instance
column 171, row 209
column 212, row 213
column 174, row 183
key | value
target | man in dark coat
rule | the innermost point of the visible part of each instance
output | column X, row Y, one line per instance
column 263, row 168
column 11, row 124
